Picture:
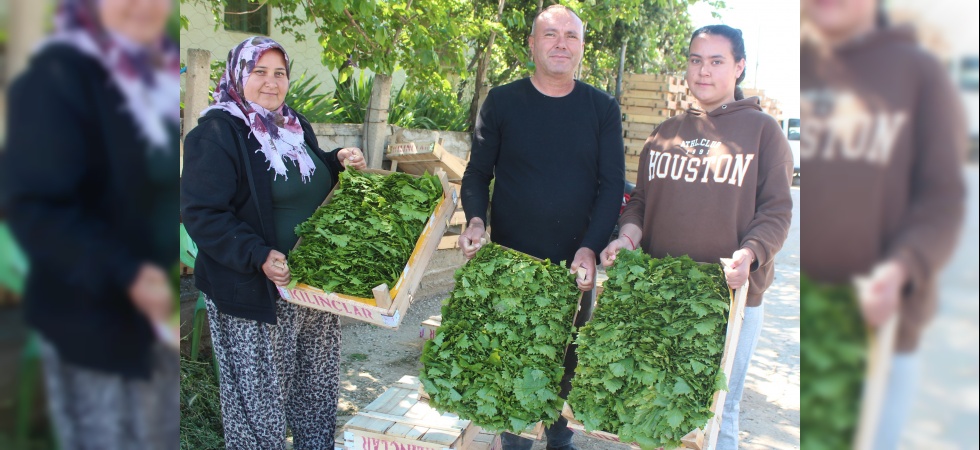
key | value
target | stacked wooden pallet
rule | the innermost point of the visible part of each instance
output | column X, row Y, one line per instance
column 647, row 101
column 769, row 105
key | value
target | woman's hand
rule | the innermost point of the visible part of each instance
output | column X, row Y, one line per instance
column 737, row 269
column 275, row 268
column 629, row 238
column 880, row 294
column 608, row 255
column 352, row 157
column 152, row 294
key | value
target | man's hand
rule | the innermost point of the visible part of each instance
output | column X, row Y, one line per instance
column 352, row 157
column 881, row 292
column 275, row 268
column 584, row 258
column 472, row 238
column 737, row 270
column 152, row 294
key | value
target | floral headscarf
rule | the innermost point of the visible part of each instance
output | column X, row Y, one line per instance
column 279, row 131
column 147, row 76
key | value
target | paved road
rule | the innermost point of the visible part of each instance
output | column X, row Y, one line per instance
column 947, row 405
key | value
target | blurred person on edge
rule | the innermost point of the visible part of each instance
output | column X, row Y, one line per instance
column 91, row 175
column 884, row 141
column 714, row 182
column 554, row 145
column 253, row 171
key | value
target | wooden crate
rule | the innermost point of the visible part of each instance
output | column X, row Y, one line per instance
column 881, row 349
column 647, row 77
column 631, row 174
column 702, row 438
column 419, row 159
column 654, row 105
column 389, row 304
column 641, row 98
column 485, row 441
column 400, row 419
column 429, row 326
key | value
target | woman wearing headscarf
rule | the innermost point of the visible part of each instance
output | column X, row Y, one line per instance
column 252, row 172
column 89, row 170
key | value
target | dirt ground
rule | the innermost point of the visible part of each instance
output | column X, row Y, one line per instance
column 373, row 358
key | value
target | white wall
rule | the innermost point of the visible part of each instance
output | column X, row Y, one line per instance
column 305, row 55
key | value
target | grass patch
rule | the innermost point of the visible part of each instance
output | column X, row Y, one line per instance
column 357, row 357
column 200, row 407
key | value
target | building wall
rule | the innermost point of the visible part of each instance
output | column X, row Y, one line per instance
column 305, row 55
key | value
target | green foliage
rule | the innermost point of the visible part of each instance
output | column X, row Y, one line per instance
column 439, row 42
column 835, row 342
column 649, row 360
column 366, row 234
column 304, row 97
column 497, row 358
column 200, row 407
column 351, row 99
column 428, row 109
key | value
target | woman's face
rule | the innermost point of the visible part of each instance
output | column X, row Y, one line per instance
column 141, row 21
column 267, row 83
column 840, row 18
column 712, row 70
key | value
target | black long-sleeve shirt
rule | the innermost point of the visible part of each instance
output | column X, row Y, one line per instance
column 558, row 164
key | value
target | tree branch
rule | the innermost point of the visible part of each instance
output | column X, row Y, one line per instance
column 359, row 29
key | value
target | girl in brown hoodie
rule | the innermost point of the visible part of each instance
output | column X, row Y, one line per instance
column 885, row 135
column 715, row 182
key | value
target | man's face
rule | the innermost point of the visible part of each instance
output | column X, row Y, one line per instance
column 557, row 44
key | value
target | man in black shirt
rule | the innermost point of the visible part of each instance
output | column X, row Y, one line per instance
column 555, row 147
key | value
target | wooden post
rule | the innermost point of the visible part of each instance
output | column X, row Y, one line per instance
column 382, row 297
column 197, row 86
column 376, row 121
column 25, row 27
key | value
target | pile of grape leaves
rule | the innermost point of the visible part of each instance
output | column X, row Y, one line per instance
column 497, row 358
column 835, row 342
column 649, row 360
column 366, row 234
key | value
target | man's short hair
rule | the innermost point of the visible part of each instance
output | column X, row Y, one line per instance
column 555, row 7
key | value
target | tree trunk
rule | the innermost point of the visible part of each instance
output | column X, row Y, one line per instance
column 481, row 71
column 376, row 121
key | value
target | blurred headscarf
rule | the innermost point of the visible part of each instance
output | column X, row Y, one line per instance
column 279, row 132
column 147, row 76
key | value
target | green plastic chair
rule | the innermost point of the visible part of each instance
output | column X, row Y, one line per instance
column 13, row 262
column 188, row 254
column 13, row 275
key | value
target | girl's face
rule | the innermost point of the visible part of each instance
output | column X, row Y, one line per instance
column 712, row 70
column 839, row 19
column 267, row 83
column 141, row 21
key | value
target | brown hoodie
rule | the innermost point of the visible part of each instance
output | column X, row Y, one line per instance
column 711, row 183
column 883, row 139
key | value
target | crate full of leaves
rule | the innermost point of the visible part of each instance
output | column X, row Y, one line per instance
column 364, row 251
column 846, row 366
column 653, row 361
column 497, row 358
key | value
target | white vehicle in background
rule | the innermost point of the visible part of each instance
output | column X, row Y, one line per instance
column 791, row 129
column 966, row 71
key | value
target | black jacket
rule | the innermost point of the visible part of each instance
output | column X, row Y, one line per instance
column 233, row 235
column 81, row 196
